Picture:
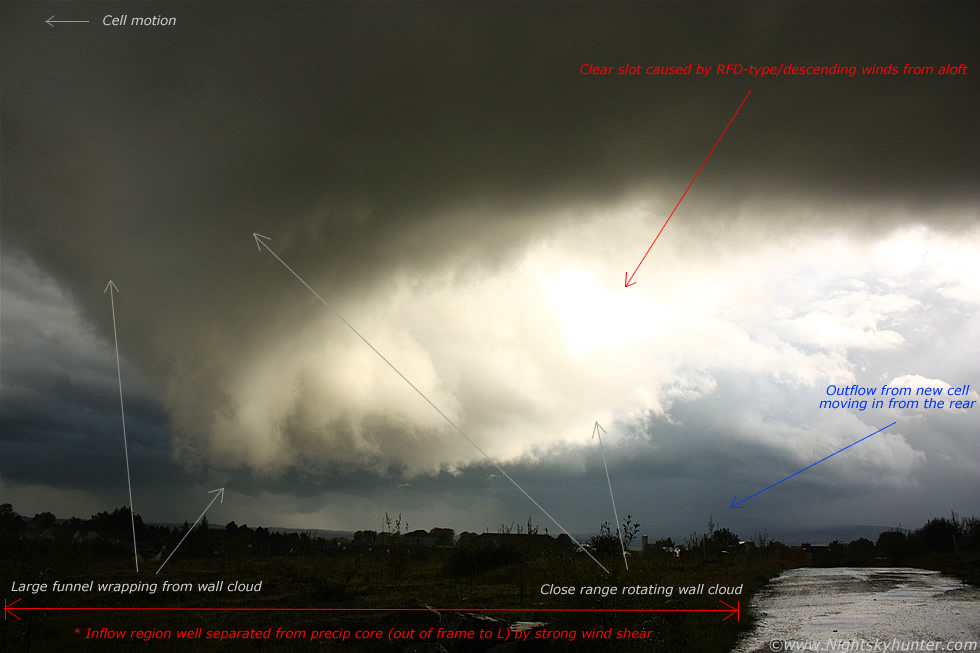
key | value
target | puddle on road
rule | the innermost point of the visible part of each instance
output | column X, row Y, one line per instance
column 868, row 603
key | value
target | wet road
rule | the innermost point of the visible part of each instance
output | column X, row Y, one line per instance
column 844, row 606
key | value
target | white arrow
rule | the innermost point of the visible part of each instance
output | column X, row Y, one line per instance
column 220, row 495
column 51, row 21
column 111, row 289
column 619, row 528
column 261, row 243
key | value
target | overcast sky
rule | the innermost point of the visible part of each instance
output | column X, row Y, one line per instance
column 445, row 177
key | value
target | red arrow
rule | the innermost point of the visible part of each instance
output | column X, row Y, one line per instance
column 732, row 611
column 6, row 609
column 629, row 279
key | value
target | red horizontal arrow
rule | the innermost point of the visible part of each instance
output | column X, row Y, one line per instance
column 732, row 611
column 629, row 279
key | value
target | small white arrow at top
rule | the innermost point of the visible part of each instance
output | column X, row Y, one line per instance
column 596, row 429
column 51, row 21
column 258, row 243
column 110, row 285
column 221, row 494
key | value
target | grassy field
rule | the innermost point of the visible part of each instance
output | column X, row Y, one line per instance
column 965, row 566
column 363, row 588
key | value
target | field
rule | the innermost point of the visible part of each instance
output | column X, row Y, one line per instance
column 361, row 589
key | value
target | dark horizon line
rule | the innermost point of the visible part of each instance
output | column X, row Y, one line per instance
column 791, row 537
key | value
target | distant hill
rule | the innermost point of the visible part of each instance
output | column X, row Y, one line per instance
column 825, row 534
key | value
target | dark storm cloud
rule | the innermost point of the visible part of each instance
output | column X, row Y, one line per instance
column 373, row 138
column 390, row 135
column 438, row 125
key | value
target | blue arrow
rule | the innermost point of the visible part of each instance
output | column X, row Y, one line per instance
column 734, row 503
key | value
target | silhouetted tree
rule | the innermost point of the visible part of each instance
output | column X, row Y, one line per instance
column 723, row 540
column 893, row 545
column 937, row 535
column 861, row 551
